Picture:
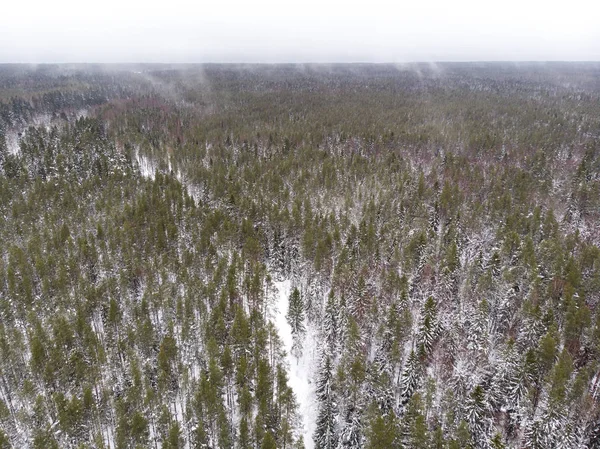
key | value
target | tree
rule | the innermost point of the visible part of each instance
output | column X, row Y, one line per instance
column 382, row 431
column 476, row 412
column 295, row 318
column 496, row 442
column 166, row 360
column 560, row 375
column 173, row 440
column 268, row 442
column 3, row 150
column 411, row 378
column 429, row 327
column 419, row 438
column 4, row 441
column 414, row 428
column 326, row 434
column 463, row 438
column 244, row 434
column 331, row 323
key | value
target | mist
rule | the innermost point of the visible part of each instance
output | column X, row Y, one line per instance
column 266, row 31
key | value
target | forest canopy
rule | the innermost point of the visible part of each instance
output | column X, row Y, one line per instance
column 286, row 256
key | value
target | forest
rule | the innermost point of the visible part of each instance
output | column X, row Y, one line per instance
column 295, row 256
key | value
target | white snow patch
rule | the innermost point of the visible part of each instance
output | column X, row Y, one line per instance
column 148, row 170
column 44, row 120
column 192, row 189
column 12, row 143
column 300, row 371
column 147, row 167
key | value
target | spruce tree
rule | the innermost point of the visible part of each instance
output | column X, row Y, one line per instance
column 331, row 324
column 382, row 431
column 428, row 328
column 411, row 377
column 326, row 434
column 295, row 313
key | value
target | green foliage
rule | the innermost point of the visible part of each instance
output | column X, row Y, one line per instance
column 382, row 431
column 4, row 442
column 295, row 313
column 466, row 198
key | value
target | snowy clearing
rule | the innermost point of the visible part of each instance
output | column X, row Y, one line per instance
column 300, row 371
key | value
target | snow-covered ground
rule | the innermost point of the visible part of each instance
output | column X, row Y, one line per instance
column 147, row 167
column 300, row 371
column 12, row 142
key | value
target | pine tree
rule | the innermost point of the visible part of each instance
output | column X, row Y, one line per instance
column 331, row 324
column 478, row 333
column 326, row 433
column 268, row 442
column 476, row 413
column 534, row 436
column 411, row 377
column 428, row 328
column 463, row 437
column 351, row 436
column 243, row 434
column 174, row 440
column 414, row 427
column 4, row 441
column 559, row 377
column 295, row 318
column 3, row 150
column 382, row 431
column 419, row 438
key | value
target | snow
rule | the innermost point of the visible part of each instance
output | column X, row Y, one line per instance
column 12, row 143
column 300, row 371
column 147, row 167
column 83, row 113
column 44, row 120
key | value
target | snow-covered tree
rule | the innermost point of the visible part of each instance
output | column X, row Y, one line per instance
column 295, row 318
column 326, row 434
column 411, row 377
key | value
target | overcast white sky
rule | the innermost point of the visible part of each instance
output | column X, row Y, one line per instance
column 298, row 31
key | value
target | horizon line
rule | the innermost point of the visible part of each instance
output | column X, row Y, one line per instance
column 439, row 61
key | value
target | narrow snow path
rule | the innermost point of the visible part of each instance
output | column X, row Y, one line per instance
column 300, row 371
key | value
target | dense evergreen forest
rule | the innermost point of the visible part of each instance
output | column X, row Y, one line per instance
column 300, row 256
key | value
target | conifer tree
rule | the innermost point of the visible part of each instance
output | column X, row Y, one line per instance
column 382, row 431
column 295, row 318
column 476, row 413
column 411, row 377
column 428, row 328
column 331, row 324
column 326, row 433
